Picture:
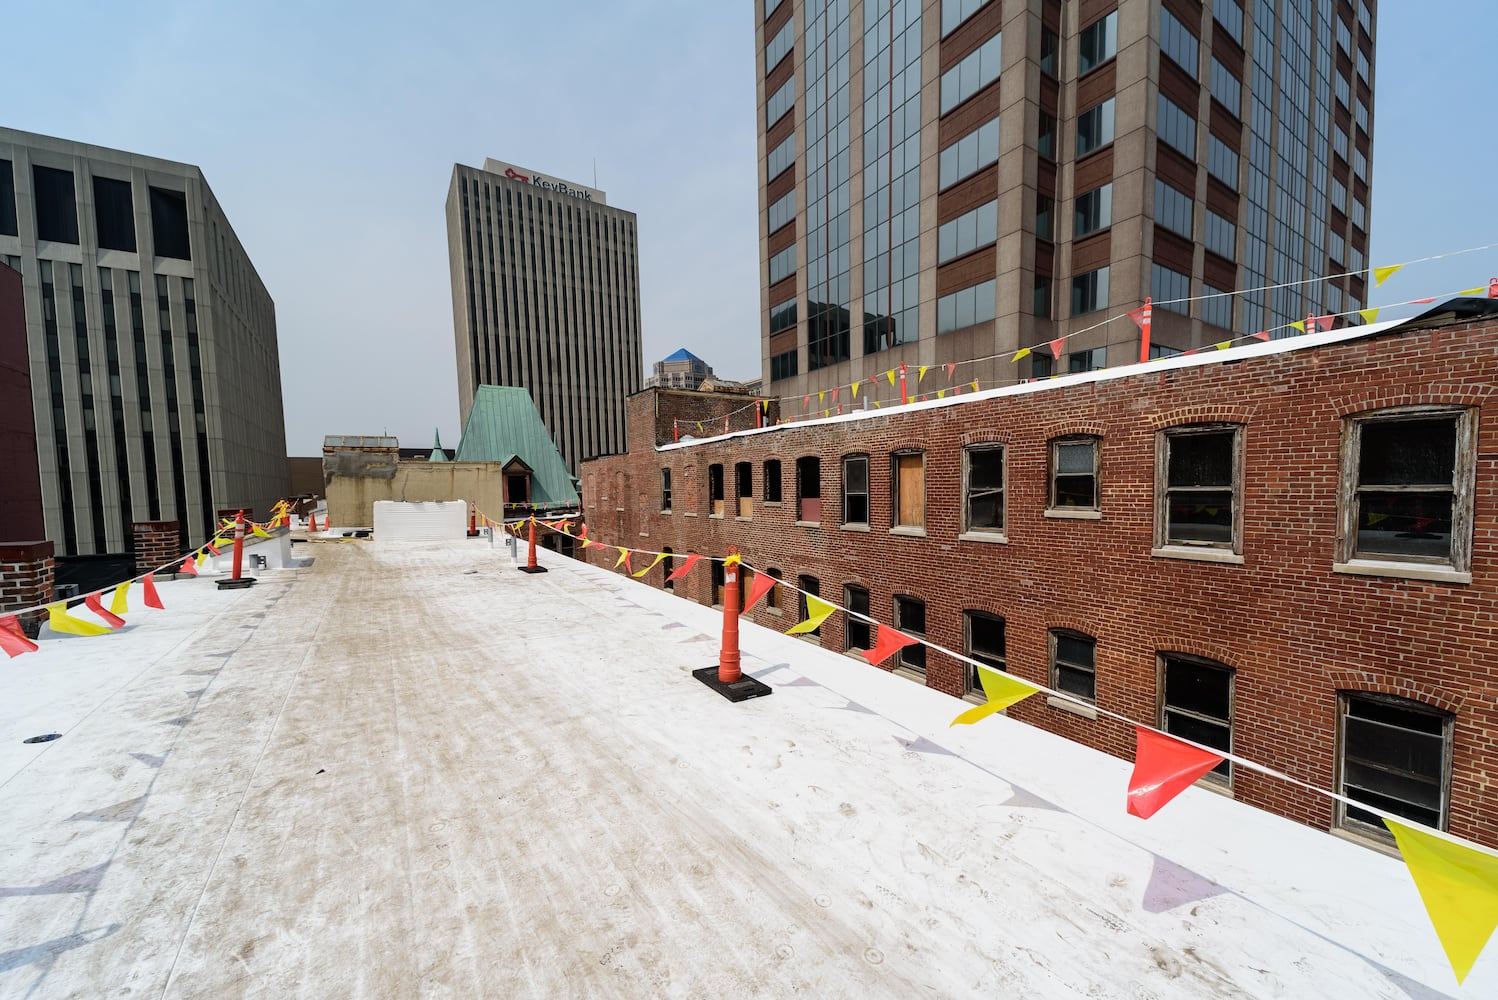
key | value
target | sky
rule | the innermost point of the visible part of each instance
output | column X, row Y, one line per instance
column 328, row 132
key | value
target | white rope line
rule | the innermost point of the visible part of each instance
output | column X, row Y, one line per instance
column 1055, row 693
column 68, row 601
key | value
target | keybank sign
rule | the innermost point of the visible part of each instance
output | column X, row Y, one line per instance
column 546, row 183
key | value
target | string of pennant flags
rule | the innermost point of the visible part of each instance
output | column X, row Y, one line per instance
column 828, row 401
column 1456, row 878
column 14, row 641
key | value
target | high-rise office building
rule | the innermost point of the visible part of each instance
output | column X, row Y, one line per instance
column 958, row 179
column 155, row 378
column 546, row 296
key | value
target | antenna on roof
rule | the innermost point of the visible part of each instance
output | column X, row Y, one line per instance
column 595, row 171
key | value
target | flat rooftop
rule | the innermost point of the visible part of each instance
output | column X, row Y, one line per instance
column 411, row 770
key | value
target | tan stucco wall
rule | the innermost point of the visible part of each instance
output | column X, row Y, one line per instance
column 351, row 498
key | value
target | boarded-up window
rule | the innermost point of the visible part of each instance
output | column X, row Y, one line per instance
column 809, row 489
column 743, row 474
column 910, row 490
column 715, row 490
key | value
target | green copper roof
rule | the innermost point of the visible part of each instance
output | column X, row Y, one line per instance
column 438, row 454
column 504, row 424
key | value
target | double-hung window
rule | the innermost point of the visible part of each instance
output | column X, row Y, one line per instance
column 856, row 631
column 665, row 490
column 1197, row 704
column 983, row 489
column 1074, row 663
column 856, row 491
column 1407, row 486
column 1394, row 755
column 1074, row 474
column 910, row 618
column 1198, row 484
column 983, row 640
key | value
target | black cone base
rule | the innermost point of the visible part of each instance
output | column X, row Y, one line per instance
column 743, row 689
column 532, row 569
column 242, row 583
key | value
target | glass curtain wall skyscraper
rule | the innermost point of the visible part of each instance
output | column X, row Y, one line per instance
column 958, row 179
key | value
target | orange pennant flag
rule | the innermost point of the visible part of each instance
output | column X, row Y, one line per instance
column 686, row 567
column 152, row 598
column 188, row 567
column 888, row 641
column 12, row 639
column 94, row 604
column 761, row 586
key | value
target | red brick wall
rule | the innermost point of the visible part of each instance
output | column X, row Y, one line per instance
column 156, row 544
column 26, row 576
column 1295, row 631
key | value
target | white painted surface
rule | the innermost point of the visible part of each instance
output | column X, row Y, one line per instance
column 412, row 771
column 427, row 521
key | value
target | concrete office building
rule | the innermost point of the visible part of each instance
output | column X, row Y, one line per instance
column 546, row 296
column 680, row 370
column 957, row 179
column 155, row 377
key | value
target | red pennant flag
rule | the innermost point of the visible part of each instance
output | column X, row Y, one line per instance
column 95, row 605
column 1163, row 768
column 153, row 599
column 1056, row 347
column 213, row 548
column 1188, row 353
column 887, row 642
column 1421, row 302
column 951, row 367
column 835, row 390
column 805, row 403
column 1324, row 323
column 1137, row 315
column 12, row 639
column 761, row 586
column 188, row 566
column 686, row 567
column 1261, row 335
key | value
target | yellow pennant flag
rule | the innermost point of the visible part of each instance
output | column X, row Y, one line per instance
column 260, row 532
column 876, row 404
column 1223, row 345
column 1459, row 886
column 1381, row 274
column 61, row 621
column 1300, row 325
column 623, row 555
column 854, row 387
column 821, row 396
column 1023, row 352
column 826, row 413
column 118, row 604
column 891, row 376
column 202, row 557
column 941, row 393
column 975, row 385
column 1002, row 691
column 1470, row 292
column 1369, row 315
column 658, row 557
column 920, row 373
column 817, row 611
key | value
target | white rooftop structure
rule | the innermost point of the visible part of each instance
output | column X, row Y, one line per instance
column 409, row 770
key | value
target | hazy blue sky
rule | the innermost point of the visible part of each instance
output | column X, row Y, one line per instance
column 329, row 130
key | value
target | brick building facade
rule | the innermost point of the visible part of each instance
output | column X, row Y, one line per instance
column 1286, row 550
